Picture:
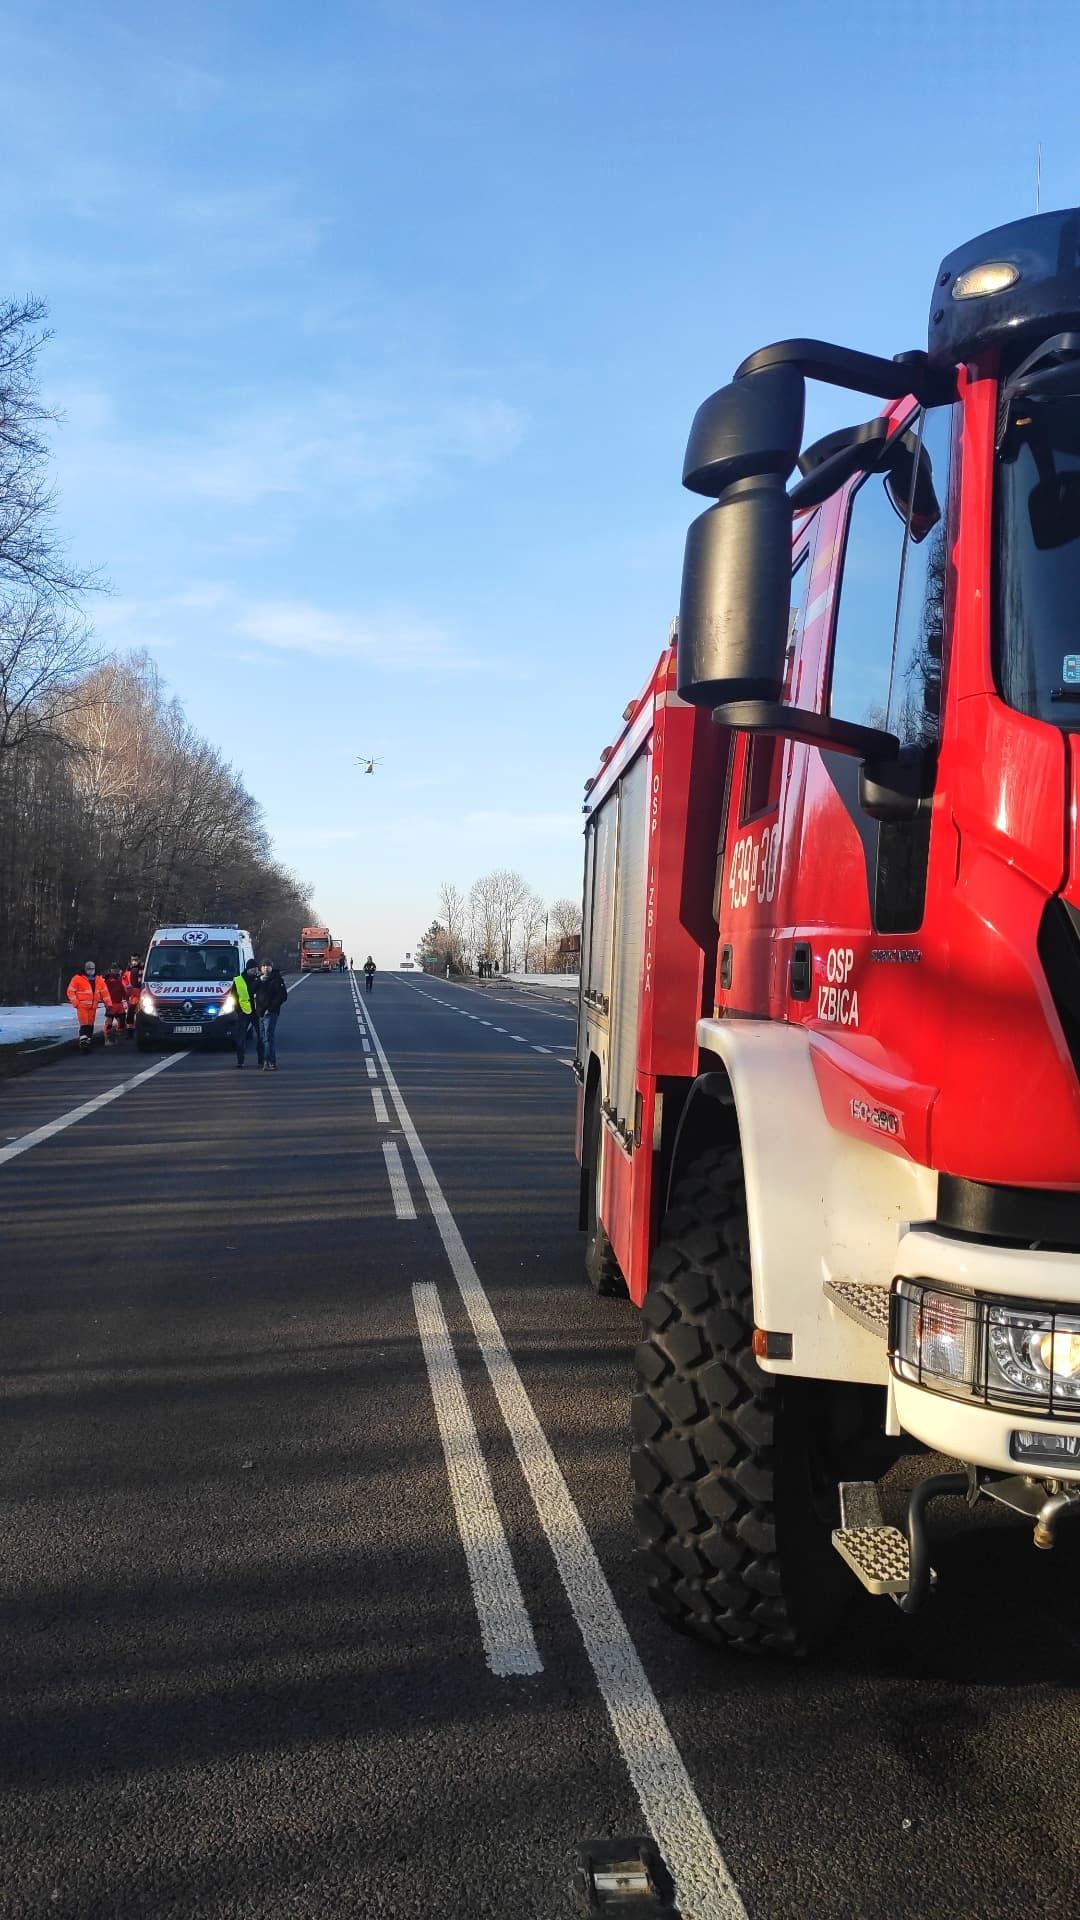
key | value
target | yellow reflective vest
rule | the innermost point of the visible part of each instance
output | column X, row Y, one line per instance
column 243, row 994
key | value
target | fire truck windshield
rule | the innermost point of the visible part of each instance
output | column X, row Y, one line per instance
column 316, row 946
column 1037, row 643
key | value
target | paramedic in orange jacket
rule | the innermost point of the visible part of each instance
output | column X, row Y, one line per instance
column 86, row 993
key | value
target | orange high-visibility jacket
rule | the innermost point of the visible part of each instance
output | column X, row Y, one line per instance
column 86, row 996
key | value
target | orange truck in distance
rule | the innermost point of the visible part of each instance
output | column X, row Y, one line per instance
column 314, row 949
column 335, row 955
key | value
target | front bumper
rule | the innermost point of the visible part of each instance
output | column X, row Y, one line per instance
column 964, row 1428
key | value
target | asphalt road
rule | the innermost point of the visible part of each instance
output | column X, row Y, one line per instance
column 317, row 1575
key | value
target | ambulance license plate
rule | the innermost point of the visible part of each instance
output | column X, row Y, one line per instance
column 187, row 1029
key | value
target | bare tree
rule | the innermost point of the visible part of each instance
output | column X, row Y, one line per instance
column 565, row 923
column 31, row 557
column 508, row 892
column 565, row 917
column 484, row 918
column 532, row 917
column 453, row 909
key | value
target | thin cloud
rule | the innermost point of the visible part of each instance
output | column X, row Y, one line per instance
column 356, row 452
column 392, row 637
column 297, row 626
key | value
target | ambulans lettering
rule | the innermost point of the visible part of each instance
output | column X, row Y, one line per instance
column 755, row 862
column 837, row 1000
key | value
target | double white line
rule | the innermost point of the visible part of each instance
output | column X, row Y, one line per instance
column 706, row 1890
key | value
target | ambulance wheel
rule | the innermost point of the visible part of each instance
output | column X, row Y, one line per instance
column 734, row 1497
column 142, row 1041
column 601, row 1267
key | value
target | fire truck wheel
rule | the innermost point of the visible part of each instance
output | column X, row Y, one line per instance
column 733, row 1501
column 601, row 1266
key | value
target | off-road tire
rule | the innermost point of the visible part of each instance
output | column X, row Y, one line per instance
column 602, row 1270
column 729, row 1514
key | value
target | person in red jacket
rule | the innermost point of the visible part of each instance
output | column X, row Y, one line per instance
column 86, row 993
column 132, row 979
column 115, row 1005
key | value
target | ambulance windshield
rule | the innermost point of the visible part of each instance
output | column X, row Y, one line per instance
column 198, row 965
column 1037, row 643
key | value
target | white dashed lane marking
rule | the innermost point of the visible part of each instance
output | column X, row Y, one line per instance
column 26, row 1140
column 378, row 1100
column 505, row 1627
column 399, row 1186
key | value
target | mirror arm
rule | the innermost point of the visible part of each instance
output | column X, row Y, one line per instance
column 857, row 372
column 813, row 729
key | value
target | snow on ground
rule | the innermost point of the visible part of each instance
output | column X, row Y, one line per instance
column 20, row 1024
column 562, row 982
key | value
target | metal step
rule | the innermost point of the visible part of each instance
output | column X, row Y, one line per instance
column 868, row 1306
column 878, row 1556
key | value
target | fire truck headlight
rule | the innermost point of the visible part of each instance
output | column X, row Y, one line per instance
column 147, row 1003
column 1034, row 1353
column 993, row 277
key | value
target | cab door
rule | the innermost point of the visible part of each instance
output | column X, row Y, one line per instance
column 860, row 974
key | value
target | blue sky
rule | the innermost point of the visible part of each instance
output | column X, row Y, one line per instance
column 379, row 328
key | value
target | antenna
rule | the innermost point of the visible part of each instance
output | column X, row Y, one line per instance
column 1038, row 178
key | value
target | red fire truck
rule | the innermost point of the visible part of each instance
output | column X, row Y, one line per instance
column 829, row 1017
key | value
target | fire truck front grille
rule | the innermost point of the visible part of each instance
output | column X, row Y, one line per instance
column 1059, row 951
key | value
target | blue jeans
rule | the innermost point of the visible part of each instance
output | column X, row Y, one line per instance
column 247, row 1026
column 267, row 1028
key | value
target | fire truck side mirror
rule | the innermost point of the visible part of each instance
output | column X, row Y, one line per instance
column 734, row 610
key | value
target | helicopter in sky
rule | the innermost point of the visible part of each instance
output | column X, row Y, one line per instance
column 367, row 763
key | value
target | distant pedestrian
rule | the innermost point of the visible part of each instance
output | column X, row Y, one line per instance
column 115, row 1004
column 244, row 989
column 86, row 993
column 132, row 979
column 271, row 994
column 369, row 973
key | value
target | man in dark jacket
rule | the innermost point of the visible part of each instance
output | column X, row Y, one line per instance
column 270, row 996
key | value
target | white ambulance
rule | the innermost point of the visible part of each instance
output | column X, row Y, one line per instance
column 187, row 991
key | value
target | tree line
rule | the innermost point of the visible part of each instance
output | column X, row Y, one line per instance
column 115, row 815
column 501, row 922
